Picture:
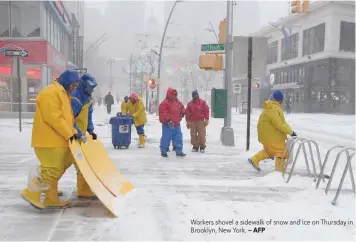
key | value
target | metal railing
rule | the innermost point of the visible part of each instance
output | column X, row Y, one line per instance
column 301, row 145
column 348, row 167
column 301, row 142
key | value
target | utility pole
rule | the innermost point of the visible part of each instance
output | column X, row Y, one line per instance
column 111, row 77
column 160, row 52
column 227, row 132
column 130, row 73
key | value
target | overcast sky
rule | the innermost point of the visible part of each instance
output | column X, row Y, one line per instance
column 268, row 11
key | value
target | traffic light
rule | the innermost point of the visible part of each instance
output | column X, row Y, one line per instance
column 222, row 31
column 295, row 6
column 256, row 85
column 305, row 6
column 211, row 62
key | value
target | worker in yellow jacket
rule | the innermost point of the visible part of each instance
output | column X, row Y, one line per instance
column 53, row 127
column 136, row 108
column 272, row 131
column 124, row 105
column 82, row 106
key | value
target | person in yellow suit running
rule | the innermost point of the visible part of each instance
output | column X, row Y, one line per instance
column 272, row 131
column 136, row 108
column 124, row 105
column 82, row 105
column 53, row 127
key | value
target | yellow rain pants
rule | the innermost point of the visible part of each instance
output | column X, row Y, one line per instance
column 272, row 151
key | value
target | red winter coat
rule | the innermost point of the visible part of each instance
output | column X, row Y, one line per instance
column 170, row 109
column 197, row 110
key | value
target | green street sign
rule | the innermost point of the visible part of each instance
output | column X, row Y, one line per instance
column 213, row 47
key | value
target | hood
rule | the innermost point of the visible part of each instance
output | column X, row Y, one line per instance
column 170, row 93
column 269, row 104
column 67, row 78
column 87, row 84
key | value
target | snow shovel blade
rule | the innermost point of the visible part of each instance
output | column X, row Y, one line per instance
column 104, row 168
column 94, row 183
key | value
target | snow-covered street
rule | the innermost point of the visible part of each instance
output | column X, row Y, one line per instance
column 171, row 194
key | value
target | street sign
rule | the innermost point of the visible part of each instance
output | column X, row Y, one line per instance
column 237, row 88
column 82, row 71
column 213, row 47
column 16, row 53
column 259, row 56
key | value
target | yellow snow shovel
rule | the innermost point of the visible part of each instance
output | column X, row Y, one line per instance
column 104, row 168
column 104, row 195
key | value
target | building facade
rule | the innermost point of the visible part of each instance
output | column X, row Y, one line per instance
column 315, row 65
column 44, row 29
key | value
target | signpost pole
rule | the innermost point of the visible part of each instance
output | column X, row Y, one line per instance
column 236, row 102
column 249, row 78
column 20, row 91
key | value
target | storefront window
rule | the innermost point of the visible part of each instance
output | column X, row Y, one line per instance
column 297, row 97
column 4, row 19
column 25, row 19
column 52, row 30
column 48, row 20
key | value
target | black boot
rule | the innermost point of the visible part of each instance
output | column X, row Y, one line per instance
column 164, row 155
column 181, row 154
column 195, row 149
column 202, row 149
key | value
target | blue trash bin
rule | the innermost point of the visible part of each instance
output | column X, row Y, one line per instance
column 121, row 131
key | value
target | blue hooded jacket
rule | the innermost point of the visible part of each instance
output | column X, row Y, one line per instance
column 83, row 93
column 67, row 78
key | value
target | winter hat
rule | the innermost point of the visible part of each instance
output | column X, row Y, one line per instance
column 278, row 95
column 195, row 92
column 134, row 97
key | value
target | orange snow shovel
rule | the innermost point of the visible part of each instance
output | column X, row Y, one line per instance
column 104, row 168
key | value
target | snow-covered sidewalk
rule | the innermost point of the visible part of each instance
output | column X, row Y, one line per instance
column 200, row 197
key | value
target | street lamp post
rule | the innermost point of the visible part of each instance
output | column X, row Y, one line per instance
column 160, row 52
column 227, row 132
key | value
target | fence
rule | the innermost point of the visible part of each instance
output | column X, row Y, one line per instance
column 301, row 142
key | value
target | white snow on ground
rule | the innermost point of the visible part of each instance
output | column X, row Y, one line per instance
column 170, row 193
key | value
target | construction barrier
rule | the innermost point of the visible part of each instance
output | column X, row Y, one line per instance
column 318, row 175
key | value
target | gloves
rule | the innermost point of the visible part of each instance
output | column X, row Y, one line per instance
column 93, row 135
column 188, row 125
column 83, row 139
column 170, row 124
column 74, row 137
column 206, row 122
column 293, row 134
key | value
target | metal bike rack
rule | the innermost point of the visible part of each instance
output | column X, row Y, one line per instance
column 347, row 167
column 301, row 142
column 301, row 145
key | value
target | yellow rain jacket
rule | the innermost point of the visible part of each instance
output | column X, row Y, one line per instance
column 272, row 127
column 137, row 111
column 123, row 107
column 53, row 121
